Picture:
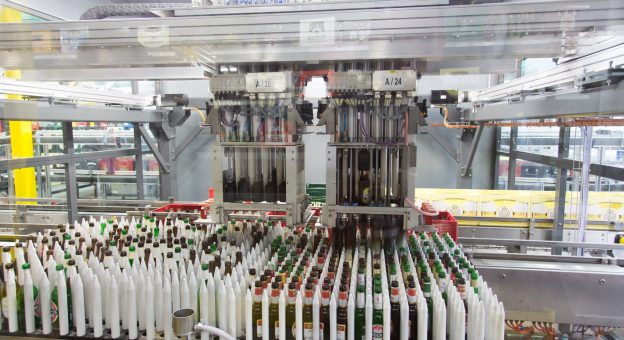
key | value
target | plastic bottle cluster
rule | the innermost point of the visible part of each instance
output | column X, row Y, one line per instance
column 252, row 279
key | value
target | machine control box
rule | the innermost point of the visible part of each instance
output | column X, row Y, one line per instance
column 227, row 83
column 394, row 80
column 350, row 81
column 268, row 82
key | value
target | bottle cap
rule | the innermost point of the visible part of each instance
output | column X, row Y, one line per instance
column 26, row 266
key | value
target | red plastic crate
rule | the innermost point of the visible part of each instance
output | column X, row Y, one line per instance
column 202, row 207
column 444, row 223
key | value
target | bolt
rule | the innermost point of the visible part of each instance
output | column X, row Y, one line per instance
column 503, row 276
column 602, row 282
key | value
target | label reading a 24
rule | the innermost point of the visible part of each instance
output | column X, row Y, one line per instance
column 393, row 81
column 266, row 83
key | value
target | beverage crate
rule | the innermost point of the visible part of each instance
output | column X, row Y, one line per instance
column 444, row 223
column 201, row 207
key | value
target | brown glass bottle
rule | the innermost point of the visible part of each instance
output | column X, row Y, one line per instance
column 324, row 326
column 291, row 312
column 307, row 313
column 274, row 311
column 341, row 314
column 395, row 312
column 256, row 312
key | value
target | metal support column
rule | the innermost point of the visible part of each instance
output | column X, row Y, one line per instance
column 584, row 192
column 70, row 173
column 138, row 146
column 513, row 145
column 138, row 162
column 561, row 186
column 496, row 161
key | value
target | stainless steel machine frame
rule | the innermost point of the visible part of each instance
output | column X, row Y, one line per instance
column 332, row 209
column 295, row 188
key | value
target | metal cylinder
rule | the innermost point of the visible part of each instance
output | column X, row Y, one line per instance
column 183, row 322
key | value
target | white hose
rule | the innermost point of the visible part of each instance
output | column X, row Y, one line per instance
column 214, row 331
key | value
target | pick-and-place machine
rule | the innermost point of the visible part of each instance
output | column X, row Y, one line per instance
column 258, row 159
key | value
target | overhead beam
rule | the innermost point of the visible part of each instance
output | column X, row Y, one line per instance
column 111, row 73
column 53, row 10
column 600, row 170
column 34, row 111
column 607, row 101
column 19, row 163
column 55, row 93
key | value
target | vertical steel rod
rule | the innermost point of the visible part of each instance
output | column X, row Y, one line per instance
column 513, row 143
column 561, row 186
column 584, row 190
column 70, row 173
column 138, row 162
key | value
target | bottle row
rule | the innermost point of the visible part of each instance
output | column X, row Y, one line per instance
column 252, row 279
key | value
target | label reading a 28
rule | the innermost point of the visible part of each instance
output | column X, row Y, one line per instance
column 263, row 83
column 393, row 81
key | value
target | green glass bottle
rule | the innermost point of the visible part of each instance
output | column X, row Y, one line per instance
column 21, row 318
column 378, row 326
column 360, row 314
column 54, row 303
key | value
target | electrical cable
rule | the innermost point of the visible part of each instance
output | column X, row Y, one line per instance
column 214, row 331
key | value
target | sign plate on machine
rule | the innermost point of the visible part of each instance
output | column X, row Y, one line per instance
column 394, row 80
column 268, row 82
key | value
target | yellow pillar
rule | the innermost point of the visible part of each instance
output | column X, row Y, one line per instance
column 21, row 131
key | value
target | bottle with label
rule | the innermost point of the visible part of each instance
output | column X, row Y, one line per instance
column 360, row 313
column 256, row 313
column 474, row 280
column 342, row 313
column 378, row 326
column 291, row 311
column 274, row 311
column 395, row 311
column 55, row 301
column 308, row 323
column 413, row 309
column 324, row 327
column 429, row 301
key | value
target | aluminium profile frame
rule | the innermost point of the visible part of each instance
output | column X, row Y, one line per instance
column 51, row 111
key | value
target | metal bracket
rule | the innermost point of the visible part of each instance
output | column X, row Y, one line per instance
column 178, row 116
column 445, row 144
column 187, row 141
column 473, row 150
column 154, row 148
